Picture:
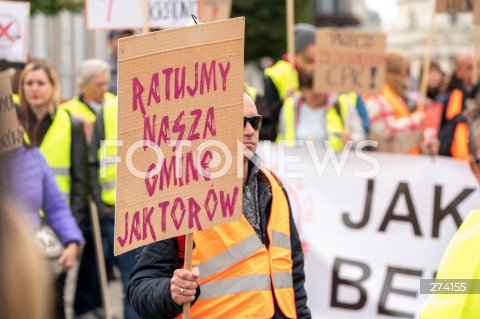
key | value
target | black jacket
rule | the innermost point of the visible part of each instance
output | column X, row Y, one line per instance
column 149, row 287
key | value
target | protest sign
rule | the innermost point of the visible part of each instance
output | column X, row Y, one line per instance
column 179, row 119
column 214, row 10
column 14, row 17
column 349, row 61
column 454, row 6
column 10, row 135
column 128, row 14
column 371, row 225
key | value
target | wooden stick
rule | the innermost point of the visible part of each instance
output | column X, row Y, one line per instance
column 102, row 273
column 291, row 38
column 146, row 27
column 475, row 54
column 188, row 266
column 426, row 62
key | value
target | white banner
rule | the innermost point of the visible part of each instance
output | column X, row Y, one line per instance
column 128, row 14
column 371, row 225
column 14, row 18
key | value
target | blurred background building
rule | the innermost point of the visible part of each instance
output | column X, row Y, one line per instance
column 453, row 34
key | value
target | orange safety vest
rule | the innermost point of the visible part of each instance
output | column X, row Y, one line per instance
column 459, row 148
column 399, row 108
column 454, row 106
column 238, row 272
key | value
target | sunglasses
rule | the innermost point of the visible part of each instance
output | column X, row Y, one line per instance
column 255, row 121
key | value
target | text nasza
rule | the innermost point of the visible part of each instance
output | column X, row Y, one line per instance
column 160, row 126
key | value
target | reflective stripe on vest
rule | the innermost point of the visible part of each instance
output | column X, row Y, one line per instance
column 57, row 147
column 454, row 106
column 236, row 268
column 281, row 74
column 333, row 121
column 459, row 148
column 107, row 173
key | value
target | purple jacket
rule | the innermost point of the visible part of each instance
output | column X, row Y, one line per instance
column 32, row 183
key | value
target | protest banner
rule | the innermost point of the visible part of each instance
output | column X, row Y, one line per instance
column 10, row 134
column 371, row 224
column 14, row 19
column 349, row 61
column 179, row 119
column 454, row 6
column 128, row 14
column 214, row 10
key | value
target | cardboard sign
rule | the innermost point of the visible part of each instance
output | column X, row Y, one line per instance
column 128, row 14
column 215, row 10
column 349, row 61
column 454, row 6
column 180, row 116
column 10, row 135
column 14, row 18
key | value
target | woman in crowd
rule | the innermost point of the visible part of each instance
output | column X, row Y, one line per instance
column 392, row 124
column 61, row 140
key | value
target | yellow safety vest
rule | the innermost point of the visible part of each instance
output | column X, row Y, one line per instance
column 238, row 272
column 251, row 91
column 281, row 74
column 76, row 107
column 334, row 121
column 16, row 98
column 57, row 147
column 107, row 173
column 460, row 261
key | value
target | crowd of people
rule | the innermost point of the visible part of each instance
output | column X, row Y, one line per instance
column 64, row 163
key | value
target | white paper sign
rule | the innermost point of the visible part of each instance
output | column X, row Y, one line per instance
column 14, row 18
column 128, row 14
column 367, row 242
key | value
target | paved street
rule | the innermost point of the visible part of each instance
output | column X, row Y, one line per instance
column 115, row 289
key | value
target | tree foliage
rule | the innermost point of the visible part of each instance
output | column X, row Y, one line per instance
column 52, row 7
column 265, row 29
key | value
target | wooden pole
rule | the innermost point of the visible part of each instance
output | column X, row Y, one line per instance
column 188, row 266
column 291, row 38
column 426, row 62
column 475, row 56
column 102, row 273
column 146, row 21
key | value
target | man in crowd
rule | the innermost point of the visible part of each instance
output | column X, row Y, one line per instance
column 251, row 268
column 113, row 37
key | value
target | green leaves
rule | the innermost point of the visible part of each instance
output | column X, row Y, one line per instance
column 265, row 29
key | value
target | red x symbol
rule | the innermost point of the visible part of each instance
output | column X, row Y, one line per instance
column 4, row 32
column 109, row 12
column 215, row 12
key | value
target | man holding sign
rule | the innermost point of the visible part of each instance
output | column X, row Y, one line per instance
column 251, row 268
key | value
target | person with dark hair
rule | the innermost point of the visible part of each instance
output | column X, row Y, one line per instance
column 113, row 37
column 281, row 79
column 319, row 117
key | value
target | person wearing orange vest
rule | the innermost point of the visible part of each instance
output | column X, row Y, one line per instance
column 392, row 124
column 453, row 134
column 461, row 259
column 251, row 268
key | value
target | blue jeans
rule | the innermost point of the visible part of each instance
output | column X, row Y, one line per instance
column 87, row 294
